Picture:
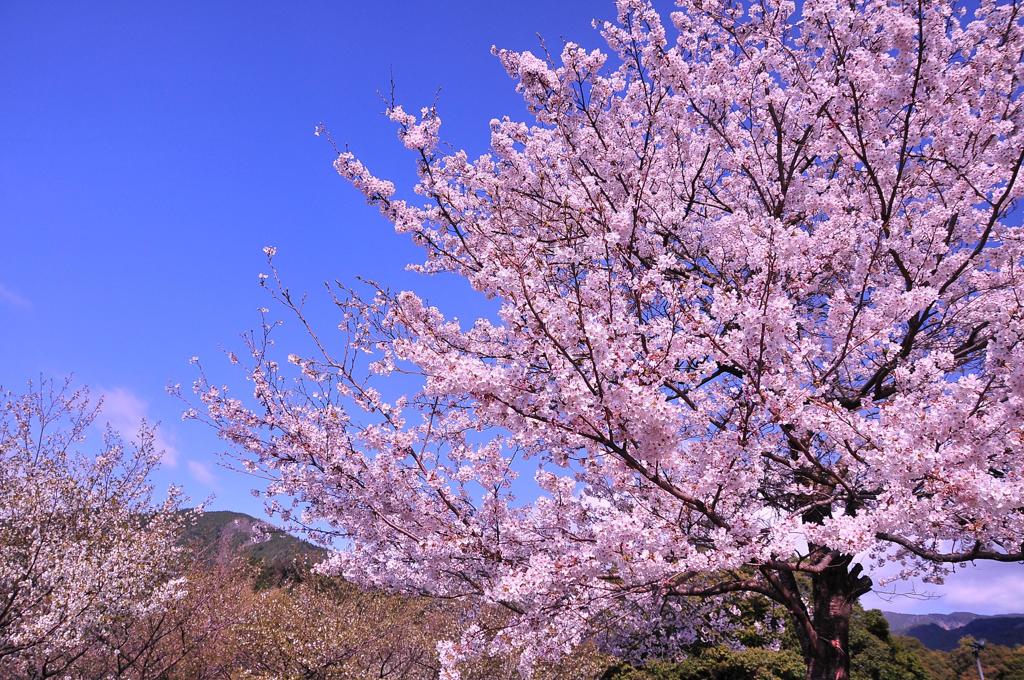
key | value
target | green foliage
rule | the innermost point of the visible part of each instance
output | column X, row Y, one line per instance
column 935, row 663
column 719, row 663
column 999, row 661
column 875, row 654
column 763, row 623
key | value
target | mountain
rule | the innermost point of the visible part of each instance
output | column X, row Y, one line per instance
column 901, row 623
column 222, row 535
column 943, row 631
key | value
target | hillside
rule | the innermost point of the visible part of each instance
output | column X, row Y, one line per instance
column 944, row 631
column 1002, row 630
column 901, row 623
column 222, row 535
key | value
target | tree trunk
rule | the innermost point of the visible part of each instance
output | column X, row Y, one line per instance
column 828, row 656
column 823, row 628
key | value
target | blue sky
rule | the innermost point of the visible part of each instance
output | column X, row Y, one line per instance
column 148, row 151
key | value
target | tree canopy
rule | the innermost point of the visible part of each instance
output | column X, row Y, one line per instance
column 759, row 331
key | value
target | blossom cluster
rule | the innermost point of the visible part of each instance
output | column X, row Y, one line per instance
column 760, row 312
column 82, row 547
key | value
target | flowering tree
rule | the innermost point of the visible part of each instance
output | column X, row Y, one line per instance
column 188, row 636
column 81, row 547
column 325, row 630
column 759, row 332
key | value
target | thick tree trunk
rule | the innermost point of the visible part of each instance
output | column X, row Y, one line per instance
column 823, row 627
column 828, row 655
column 834, row 666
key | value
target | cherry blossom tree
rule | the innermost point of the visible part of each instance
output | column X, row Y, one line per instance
column 759, row 331
column 191, row 635
column 323, row 629
column 82, row 548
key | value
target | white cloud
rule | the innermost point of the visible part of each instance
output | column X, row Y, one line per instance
column 982, row 588
column 995, row 588
column 201, row 472
column 125, row 410
column 13, row 298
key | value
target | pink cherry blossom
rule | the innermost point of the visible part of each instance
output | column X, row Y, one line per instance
column 760, row 313
column 82, row 547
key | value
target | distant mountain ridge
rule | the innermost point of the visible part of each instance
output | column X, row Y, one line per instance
column 901, row 623
column 944, row 631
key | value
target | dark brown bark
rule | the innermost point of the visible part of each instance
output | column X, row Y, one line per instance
column 823, row 627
